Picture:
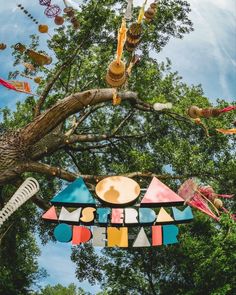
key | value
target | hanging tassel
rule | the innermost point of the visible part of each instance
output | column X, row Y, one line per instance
column 121, row 41
column 128, row 12
column 227, row 131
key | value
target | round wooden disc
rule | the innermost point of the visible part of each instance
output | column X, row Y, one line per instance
column 117, row 190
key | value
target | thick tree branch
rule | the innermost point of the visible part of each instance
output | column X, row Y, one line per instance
column 70, row 105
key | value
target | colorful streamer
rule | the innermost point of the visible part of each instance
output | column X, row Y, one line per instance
column 18, row 86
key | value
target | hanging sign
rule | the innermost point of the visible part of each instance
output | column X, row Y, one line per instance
column 115, row 217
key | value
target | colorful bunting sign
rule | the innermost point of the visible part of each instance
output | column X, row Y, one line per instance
column 112, row 211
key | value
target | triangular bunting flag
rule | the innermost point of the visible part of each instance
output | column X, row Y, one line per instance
column 68, row 216
column 158, row 194
column 163, row 217
column 76, row 194
column 51, row 214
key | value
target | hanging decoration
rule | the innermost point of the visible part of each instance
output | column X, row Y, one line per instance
column 70, row 12
column 203, row 198
column 162, row 106
column 133, row 37
column 116, row 76
column 106, row 216
column 29, row 66
column 128, row 12
column 52, row 11
column 27, row 190
column 28, row 14
column 3, row 46
column 150, row 12
column 39, row 58
column 37, row 80
column 135, row 31
column 196, row 112
column 18, row 86
column 20, row 47
column 43, row 29
column 71, row 4
column 227, row 131
column 134, row 60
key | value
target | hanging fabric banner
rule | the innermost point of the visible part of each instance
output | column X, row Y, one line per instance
column 16, row 86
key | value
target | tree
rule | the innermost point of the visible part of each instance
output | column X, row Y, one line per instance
column 73, row 129
column 61, row 290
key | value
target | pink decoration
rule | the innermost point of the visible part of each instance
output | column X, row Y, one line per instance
column 45, row 2
column 7, row 85
column 159, row 194
column 200, row 197
column 51, row 214
column 228, row 109
column 52, row 11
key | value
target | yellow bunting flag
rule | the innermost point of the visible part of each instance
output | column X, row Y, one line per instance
column 227, row 131
column 121, row 40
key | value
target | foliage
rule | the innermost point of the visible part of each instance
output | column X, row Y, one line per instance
column 61, row 290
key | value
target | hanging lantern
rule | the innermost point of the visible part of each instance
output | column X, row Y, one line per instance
column 116, row 74
column 59, row 20
column 69, row 11
column 3, row 46
column 150, row 13
column 20, row 47
column 29, row 66
column 133, row 36
column 52, row 11
column 75, row 22
column 43, row 28
column 37, row 80
column 39, row 58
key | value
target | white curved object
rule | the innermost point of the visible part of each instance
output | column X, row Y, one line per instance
column 128, row 12
column 162, row 106
column 28, row 188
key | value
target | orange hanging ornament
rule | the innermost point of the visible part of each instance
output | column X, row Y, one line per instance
column 121, row 40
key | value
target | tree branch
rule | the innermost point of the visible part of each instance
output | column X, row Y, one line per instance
column 70, row 105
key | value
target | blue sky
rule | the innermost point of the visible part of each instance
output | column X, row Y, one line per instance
column 207, row 56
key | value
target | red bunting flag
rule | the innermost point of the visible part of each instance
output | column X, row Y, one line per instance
column 16, row 85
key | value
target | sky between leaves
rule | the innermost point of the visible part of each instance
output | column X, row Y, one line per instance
column 207, row 56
